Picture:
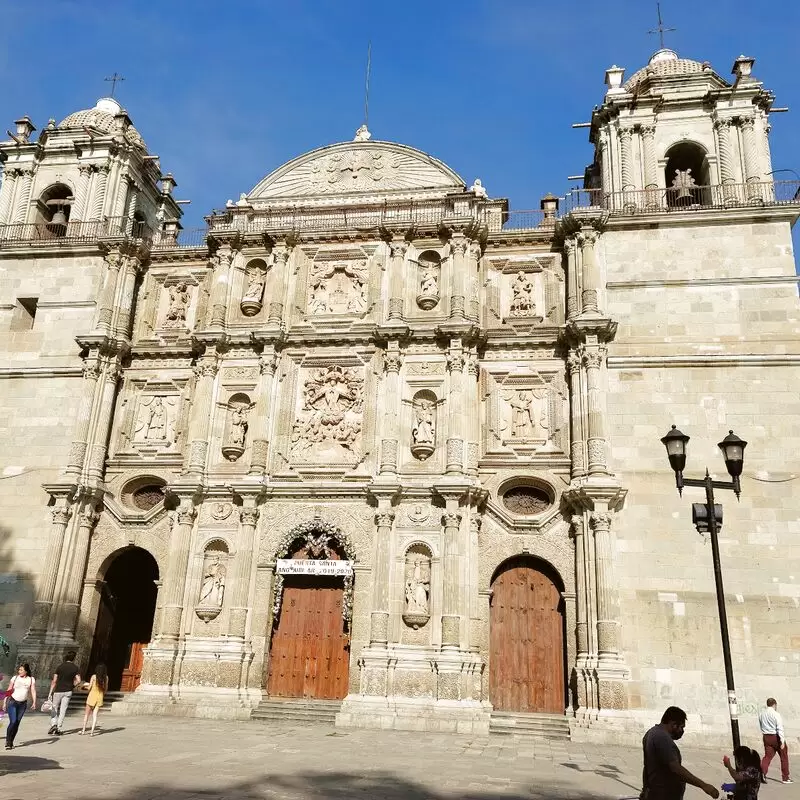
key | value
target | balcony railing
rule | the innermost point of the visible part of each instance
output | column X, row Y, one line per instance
column 72, row 232
column 690, row 198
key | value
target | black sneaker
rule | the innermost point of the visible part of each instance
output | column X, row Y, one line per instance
column 52, row 730
column 58, row 732
column 9, row 746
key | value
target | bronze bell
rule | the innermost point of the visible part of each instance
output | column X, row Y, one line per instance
column 58, row 224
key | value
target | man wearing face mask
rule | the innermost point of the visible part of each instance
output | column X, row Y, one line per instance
column 663, row 777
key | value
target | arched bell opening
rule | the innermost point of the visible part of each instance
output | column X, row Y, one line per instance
column 687, row 175
column 53, row 210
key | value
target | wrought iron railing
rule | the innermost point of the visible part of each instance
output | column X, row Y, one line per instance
column 77, row 232
column 190, row 237
column 685, row 198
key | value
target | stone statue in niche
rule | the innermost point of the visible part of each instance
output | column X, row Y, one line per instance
column 429, row 266
column 254, row 291
column 155, row 421
column 522, row 304
column 178, row 306
column 333, row 400
column 339, row 288
column 239, row 409
column 529, row 418
column 417, row 587
column 423, row 431
column 212, row 590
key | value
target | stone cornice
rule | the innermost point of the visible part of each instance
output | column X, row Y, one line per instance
column 722, row 281
column 41, row 372
column 705, row 360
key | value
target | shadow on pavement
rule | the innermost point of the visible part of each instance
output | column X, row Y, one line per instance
column 15, row 765
column 349, row 786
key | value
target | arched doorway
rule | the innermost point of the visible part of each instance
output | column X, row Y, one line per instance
column 125, row 617
column 310, row 645
column 527, row 667
column 686, row 175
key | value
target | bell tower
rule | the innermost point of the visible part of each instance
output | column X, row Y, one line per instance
column 678, row 135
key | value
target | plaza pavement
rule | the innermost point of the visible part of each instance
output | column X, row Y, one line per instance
column 136, row 758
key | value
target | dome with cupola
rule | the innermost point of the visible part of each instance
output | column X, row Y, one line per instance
column 101, row 119
column 667, row 64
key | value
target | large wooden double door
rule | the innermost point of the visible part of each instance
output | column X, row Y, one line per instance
column 310, row 649
column 526, row 659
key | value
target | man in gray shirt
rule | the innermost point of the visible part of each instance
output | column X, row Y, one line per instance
column 663, row 777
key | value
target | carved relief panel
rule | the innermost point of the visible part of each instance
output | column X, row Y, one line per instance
column 176, row 305
column 526, row 290
column 526, row 412
column 338, row 283
column 422, row 415
column 255, row 279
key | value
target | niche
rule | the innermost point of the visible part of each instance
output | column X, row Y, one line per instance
column 213, row 579
column 255, row 280
column 236, row 426
column 423, row 424
column 429, row 269
column 417, row 586
column 53, row 210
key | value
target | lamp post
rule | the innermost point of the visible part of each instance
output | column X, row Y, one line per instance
column 708, row 517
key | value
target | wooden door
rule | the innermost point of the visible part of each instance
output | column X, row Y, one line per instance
column 310, row 650
column 132, row 673
column 526, row 659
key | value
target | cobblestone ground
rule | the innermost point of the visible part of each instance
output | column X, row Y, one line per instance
column 134, row 758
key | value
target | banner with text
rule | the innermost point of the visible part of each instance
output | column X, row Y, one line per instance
column 311, row 566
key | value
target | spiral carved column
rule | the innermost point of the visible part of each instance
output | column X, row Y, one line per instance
column 752, row 167
column 626, row 164
column 23, row 199
column 7, row 194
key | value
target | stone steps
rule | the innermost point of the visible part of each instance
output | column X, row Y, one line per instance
column 297, row 711
column 538, row 726
column 78, row 701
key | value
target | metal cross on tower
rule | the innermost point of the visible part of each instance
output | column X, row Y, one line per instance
column 661, row 30
column 114, row 79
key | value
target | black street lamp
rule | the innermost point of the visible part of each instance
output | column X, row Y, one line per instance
column 708, row 517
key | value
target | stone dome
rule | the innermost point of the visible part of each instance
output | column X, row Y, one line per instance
column 666, row 63
column 101, row 118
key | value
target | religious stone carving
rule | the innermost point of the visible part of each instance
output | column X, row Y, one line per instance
column 155, row 420
column 522, row 304
column 423, row 431
column 529, row 417
column 417, row 586
column 254, row 291
column 212, row 585
column 338, row 288
column 178, row 306
column 429, row 270
column 238, row 409
column 330, row 418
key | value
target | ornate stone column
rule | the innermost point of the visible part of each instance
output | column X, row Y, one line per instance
column 268, row 363
column 397, row 256
column 99, row 191
column 62, row 513
column 626, row 163
column 648, row 138
column 125, row 302
column 472, row 403
column 727, row 174
column 593, row 359
column 280, row 260
column 474, row 251
column 451, row 562
column 571, row 249
column 7, row 194
column 219, row 286
column 103, row 415
column 76, row 559
column 248, row 517
column 108, row 292
column 582, row 595
column 205, row 372
column 458, row 250
column 80, row 440
column 379, row 618
column 455, row 438
column 23, row 198
column 577, row 438
column 607, row 597
column 392, row 361
column 590, row 278
column 605, row 162
column 177, row 562
column 752, row 169
column 81, row 192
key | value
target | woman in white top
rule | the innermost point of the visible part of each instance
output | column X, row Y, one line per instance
column 15, row 703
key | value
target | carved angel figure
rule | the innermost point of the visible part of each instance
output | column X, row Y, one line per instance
column 212, row 590
column 255, row 285
column 522, row 302
column 424, row 431
column 178, row 305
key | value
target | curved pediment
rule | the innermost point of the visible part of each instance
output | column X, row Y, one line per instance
column 358, row 168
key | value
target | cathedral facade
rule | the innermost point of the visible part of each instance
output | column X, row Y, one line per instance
column 372, row 440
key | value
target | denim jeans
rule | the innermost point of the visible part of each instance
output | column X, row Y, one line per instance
column 15, row 710
column 60, row 705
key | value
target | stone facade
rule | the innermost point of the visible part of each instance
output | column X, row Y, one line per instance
column 365, row 350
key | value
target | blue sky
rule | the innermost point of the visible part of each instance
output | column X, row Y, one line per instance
column 226, row 92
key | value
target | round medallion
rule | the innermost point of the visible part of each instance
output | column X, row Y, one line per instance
column 526, row 500
column 148, row 497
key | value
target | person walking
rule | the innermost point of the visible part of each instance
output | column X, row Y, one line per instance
column 771, row 725
column 15, row 704
column 66, row 677
column 663, row 776
column 94, row 702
